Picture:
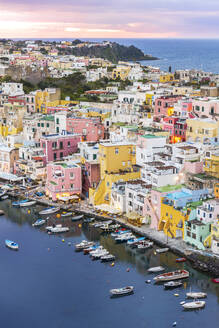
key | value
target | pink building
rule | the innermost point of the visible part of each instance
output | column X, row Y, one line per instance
column 63, row 180
column 90, row 176
column 176, row 127
column 90, row 128
column 162, row 105
column 206, row 107
column 55, row 109
column 193, row 167
column 57, row 146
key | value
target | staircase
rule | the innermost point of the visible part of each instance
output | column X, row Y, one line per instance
column 207, row 241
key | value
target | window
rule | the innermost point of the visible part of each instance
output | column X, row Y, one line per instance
column 72, row 175
column 193, row 235
column 42, row 125
column 61, row 155
column 47, row 125
column 123, row 163
column 61, row 144
column 129, row 163
column 116, row 150
column 44, row 145
column 188, row 233
column 94, row 156
column 38, row 124
column 69, row 144
column 108, row 184
column 72, row 185
column 57, row 121
column 57, row 129
column 54, row 156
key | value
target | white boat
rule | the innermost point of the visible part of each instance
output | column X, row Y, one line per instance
column 53, row 226
column 156, row 269
column 122, row 291
column 194, row 305
column 179, row 274
column 11, row 244
column 196, row 295
column 84, row 244
column 119, row 233
column 172, row 284
column 145, row 245
column 135, row 241
column 77, row 217
column 49, row 210
column 96, row 250
column 59, row 230
column 38, row 223
column 64, row 214
column 107, row 258
column 100, row 254
column 29, row 203
column 162, row 250
column 124, row 237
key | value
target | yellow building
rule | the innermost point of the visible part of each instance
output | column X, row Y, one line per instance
column 216, row 190
column 149, row 99
column 117, row 163
column 165, row 78
column 201, row 130
column 121, row 72
column 172, row 220
column 211, row 163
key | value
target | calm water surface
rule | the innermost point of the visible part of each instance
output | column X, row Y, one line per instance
column 47, row 284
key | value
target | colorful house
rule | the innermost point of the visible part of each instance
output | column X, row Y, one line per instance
column 202, row 130
column 164, row 106
column 166, row 78
column 121, row 72
column 63, row 180
column 57, row 146
column 196, row 232
column 117, row 163
column 211, row 163
column 176, row 127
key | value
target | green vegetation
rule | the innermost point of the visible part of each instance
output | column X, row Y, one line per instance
column 113, row 52
column 169, row 188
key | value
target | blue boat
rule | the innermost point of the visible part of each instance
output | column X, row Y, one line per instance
column 135, row 241
column 17, row 204
column 38, row 223
column 119, row 233
column 11, row 244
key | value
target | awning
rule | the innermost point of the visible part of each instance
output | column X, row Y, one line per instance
column 10, row 177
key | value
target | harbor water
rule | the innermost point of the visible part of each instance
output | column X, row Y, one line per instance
column 47, row 284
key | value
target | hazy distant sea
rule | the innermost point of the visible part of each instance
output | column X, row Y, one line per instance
column 179, row 53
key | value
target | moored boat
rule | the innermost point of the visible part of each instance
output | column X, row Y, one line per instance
column 99, row 254
column 28, row 203
column 122, row 291
column 145, row 245
column 119, row 233
column 162, row 250
column 174, row 275
column 49, row 210
column 135, row 241
column 11, row 244
column 194, row 305
column 53, row 226
column 38, row 223
column 64, row 214
column 77, row 217
column 59, row 229
column 156, row 269
column 84, row 244
column 172, row 284
column 107, row 258
column 124, row 237
column 181, row 259
column 20, row 202
column 196, row 295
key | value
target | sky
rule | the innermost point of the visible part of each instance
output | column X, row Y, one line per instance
column 109, row 19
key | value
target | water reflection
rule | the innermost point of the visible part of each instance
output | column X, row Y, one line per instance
column 198, row 281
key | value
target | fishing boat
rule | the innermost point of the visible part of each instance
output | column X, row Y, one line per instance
column 99, row 254
column 77, row 217
column 122, row 291
column 84, row 244
column 4, row 197
column 28, row 203
column 196, row 295
column 215, row 280
column 119, row 233
column 38, row 223
column 156, row 269
column 181, row 259
column 59, row 229
column 49, row 210
column 11, row 244
column 90, row 249
column 53, row 226
column 18, row 203
column 135, row 241
column 162, row 250
column 64, row 214
column 194, row 305
column 124, row 237
column 179, row 274
column 97, row 250
column 107, row 258
column 145, row 245
column 172, row 284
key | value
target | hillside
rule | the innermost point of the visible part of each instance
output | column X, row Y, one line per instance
column 113, row 52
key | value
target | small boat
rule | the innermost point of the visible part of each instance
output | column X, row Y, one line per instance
column 28, row 203
column 162, row 250
column 119, row 233
column 2, row 212
column 49, row 210
column 145, row 245
column 64, row 214
column 38, row 223
column 99, row 254
column 77, row 217
column 124, row 237
column 98, row 249
column 90, row 249
column 172, row 284
column 3, row 197
column 59, row 230
column 194, row 305
column 107, row 258
column 135, row 241
column 122, row 291
column 179, row 274
column 156, row 269
column 18, row 203
column 196, row 295
column 11, row 244
column 53, row 226
column 215, row 280
column 181, row 259
column 83, row 245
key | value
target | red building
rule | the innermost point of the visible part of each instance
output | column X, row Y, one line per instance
column 90, row 176
column 177, row 128
column 90, row 128
column 163, row 105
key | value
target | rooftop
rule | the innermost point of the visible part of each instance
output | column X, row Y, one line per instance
column 169, row 188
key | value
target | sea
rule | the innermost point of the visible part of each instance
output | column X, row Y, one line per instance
column 47, row 284
column 178, row 53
